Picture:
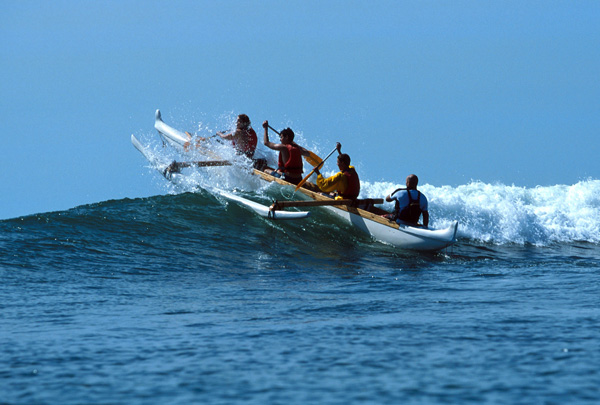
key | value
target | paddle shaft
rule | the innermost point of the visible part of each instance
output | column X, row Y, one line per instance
column 205, row 163
column 313, row 170
column 279, row 205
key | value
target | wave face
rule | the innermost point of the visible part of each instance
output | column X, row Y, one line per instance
column 487, row 214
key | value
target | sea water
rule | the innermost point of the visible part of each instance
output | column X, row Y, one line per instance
column 187, row 298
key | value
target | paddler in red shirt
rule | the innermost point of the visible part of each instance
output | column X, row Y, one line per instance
column 290, row 155
column 244, row 138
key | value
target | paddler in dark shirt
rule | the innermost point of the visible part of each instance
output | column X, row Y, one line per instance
column 345, row 183
column 243, row 138
column 290, row 155
column 244, row 141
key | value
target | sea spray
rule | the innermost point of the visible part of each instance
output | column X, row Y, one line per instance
column 500, row 214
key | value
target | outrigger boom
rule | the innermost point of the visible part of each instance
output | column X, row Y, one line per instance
column 279, row 205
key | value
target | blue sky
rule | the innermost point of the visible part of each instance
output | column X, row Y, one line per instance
column 497, row 91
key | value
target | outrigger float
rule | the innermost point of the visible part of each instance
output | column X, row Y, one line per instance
column 361, row 213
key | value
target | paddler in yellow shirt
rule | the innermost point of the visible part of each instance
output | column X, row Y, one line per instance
column 345, row 183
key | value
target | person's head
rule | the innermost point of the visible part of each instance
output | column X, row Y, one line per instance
column 243, row 121
column 411, row 182
column 286, row 135
column 343, row 161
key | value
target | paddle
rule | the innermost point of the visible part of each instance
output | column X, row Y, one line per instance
column 316, row 167
column 210, row 163
column 176, row 166
column 273, row 129
column 313, row 159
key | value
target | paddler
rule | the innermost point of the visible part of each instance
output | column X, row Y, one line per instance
column 244, row 141
column 410, row 204
column 290, row 166
column 243, row 138
column 345, row 183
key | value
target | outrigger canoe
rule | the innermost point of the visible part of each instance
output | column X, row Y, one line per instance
column 361, row 213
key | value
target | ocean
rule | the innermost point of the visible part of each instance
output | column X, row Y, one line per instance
column 186, row 298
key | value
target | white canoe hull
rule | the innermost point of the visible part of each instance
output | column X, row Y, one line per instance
column 154, row 160
column 381, row 229
column 406, row 237
column 172, row 135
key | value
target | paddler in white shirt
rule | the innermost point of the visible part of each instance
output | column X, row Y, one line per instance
column 410, row 204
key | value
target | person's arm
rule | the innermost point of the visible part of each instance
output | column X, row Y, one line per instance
column 227, row 137
column 269, row 144
column 329, row 184
column 389, row 197
column 426, row 219
column 266, row 136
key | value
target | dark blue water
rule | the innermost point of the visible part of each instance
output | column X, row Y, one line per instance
column 185, row 299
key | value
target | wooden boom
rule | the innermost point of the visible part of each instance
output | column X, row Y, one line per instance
column 279, row 205
column 212, row 163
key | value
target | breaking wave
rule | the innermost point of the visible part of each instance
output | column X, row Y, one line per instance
column 489, row 213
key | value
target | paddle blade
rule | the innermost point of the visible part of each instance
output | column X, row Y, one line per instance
column 304, row 180
column 316, row 167
column 313, row 159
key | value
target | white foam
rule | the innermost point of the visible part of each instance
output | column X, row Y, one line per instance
column 502, row 214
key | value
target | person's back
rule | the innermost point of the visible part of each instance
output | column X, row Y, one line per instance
column 352, row 184
column 410, row 204
column 244, row 138
column 244, row 141
column 290, row 161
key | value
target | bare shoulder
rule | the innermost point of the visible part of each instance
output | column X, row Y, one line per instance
column 304, row 151
column 276, row 146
